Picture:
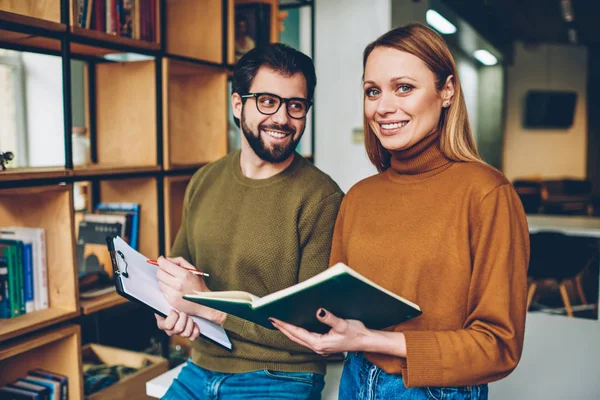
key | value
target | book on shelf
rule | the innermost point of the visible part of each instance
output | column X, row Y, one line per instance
column 92, row 256
column 132, row 213
column 12, row 251
column 40, row 384
column 35, row 268
column 62, row 380
column 4, row 289
column 42, row 392
column 339, row 289
column 53, row 386
column 126, row 18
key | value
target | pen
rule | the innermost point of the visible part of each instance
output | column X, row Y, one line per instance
column 193, row 271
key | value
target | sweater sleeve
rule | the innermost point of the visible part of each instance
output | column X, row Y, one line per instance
column 489, row 346
column 316, row 229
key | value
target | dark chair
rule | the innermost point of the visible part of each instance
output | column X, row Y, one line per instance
column 561, row 259
column 531, row 193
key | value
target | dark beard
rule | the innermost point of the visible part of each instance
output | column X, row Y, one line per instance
column 276, row 154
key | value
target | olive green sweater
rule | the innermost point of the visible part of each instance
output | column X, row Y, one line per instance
column 258, row 236
column 451, row 237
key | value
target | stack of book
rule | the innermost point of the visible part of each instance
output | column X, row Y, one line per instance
column 40, row 384
column 23, row 271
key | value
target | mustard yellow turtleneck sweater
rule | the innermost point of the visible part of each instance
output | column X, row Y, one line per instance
column 453, row 238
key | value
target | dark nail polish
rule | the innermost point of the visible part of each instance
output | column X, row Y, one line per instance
column 271, row 320
column 322, row 313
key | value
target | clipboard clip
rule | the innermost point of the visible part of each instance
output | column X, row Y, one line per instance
column 113, row 253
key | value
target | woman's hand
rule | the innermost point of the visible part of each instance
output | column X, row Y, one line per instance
column 175, row 281
column 345, row 334
column 178, row 323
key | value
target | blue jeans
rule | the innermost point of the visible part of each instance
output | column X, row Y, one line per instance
column 362, row 380
column 195, row 382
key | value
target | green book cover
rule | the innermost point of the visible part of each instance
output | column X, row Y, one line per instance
column 9, row 252
column 339, row 289
column 18, row 272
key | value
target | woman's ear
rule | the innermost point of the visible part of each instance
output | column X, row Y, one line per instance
column 236, row 105
column 448, row 91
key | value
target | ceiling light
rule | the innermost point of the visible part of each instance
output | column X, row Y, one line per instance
column 439, row 23
column 485, row 57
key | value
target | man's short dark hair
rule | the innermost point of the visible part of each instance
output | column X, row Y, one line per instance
column 278, row 57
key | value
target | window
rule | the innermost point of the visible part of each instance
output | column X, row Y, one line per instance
column 12, row 107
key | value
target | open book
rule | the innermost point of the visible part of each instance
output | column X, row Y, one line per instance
column 339, row 289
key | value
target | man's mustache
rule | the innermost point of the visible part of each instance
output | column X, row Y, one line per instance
column 276, row 127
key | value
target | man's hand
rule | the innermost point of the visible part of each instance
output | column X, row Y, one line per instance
column 175, row 281
column 178, row 323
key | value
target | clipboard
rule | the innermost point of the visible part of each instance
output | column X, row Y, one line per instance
column 136, row 280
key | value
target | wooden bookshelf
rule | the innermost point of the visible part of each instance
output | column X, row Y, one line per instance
column 194, row 113
column 57, row 350
column 32, row 12
column 195, row 29
column 150, row 131
column 126, row 123
column 51, row 208
column 174, row 194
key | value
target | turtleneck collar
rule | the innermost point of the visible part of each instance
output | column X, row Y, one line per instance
column 420, row 161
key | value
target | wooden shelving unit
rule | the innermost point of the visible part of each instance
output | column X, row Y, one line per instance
column 152, row 123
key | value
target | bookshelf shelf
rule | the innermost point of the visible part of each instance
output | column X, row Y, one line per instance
column 115, row 170
column 143, row 191
column 30, row 20
column 101, row 38
column 58, row 350
column 18, row 326
column 19, row 174
column 90, row 306
column 194, row 113
column 195, row 29
column 34, row 12
column 126, row 133
column 51, row 208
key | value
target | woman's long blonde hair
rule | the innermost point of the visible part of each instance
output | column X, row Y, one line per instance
column 456, row 140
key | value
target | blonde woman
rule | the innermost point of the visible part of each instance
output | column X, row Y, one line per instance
column 438, row 226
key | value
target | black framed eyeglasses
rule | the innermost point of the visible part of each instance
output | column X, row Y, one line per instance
column 269, row 104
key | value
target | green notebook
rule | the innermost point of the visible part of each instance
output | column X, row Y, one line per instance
column 339, row 289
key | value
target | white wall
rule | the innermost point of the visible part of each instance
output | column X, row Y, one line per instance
column 546, row 153
column 343, row 29
column 45, row 123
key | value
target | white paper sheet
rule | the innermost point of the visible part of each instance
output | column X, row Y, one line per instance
column 142, row 284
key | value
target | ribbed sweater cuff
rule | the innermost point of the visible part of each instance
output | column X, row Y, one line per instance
column 423, row 360
column 234, row 324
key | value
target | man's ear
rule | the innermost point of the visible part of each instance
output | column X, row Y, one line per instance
column 236, row 105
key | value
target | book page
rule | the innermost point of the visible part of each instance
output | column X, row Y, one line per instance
column 232, row 295
column 142, row 284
